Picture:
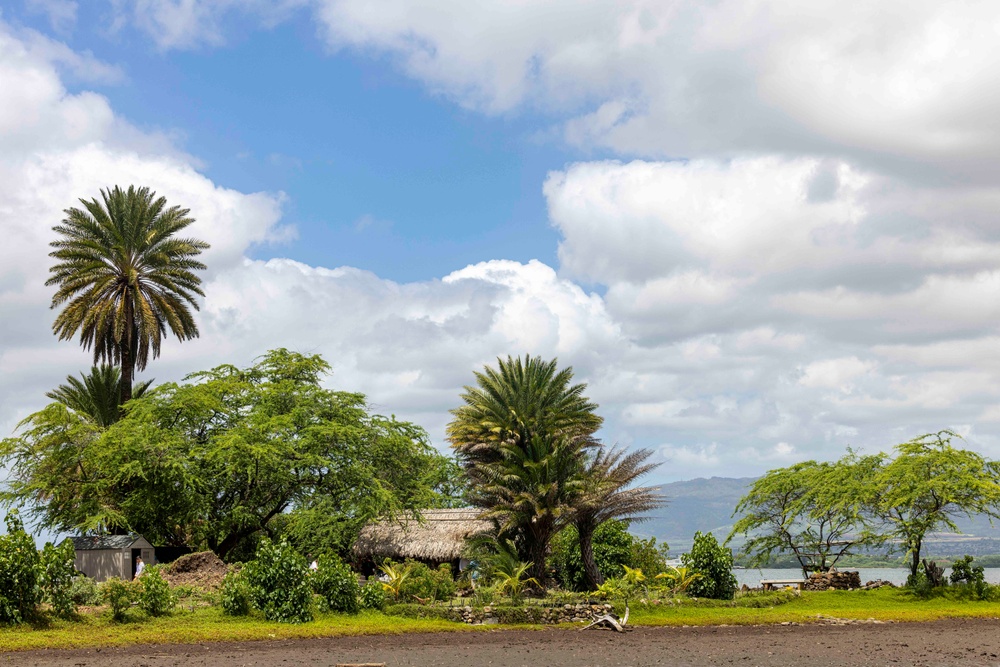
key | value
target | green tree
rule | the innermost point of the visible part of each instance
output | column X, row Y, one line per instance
column 809, row 510
column 522, row 435
column 96, row 394
column 124, row 278
column 607, row 493
column 20, row 570
column 215, row 461
column 926, row 485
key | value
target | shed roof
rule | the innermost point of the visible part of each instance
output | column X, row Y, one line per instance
column 93, row 543
column 439, row 538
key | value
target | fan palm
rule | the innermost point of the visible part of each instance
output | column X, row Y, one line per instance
column 606, row 495
column 125, row 278
column 96, row 394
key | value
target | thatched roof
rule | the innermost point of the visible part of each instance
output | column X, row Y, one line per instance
column 439, row 538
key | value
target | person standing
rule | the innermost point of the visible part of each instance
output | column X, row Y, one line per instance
column 139, row 567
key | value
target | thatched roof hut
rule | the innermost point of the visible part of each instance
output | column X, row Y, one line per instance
column 439, row 539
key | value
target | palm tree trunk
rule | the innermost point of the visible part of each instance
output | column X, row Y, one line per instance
column 590, row 569
column 127, row 371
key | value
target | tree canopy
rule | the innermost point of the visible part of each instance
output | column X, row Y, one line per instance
column 226, row 455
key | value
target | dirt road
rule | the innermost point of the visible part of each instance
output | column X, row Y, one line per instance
column 941, row 643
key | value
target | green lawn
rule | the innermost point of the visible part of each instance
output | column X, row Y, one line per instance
column 209, row 624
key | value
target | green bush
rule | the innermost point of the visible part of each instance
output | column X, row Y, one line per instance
column 58, row 573
column 235, row 595
column 337, row 584
column 278, row 582
column 426, row 583
column 83, row 590
column 715, row 565
column 971, row 576
column 155, row 597
column 119, row 595
column 372, row 596
column 612, row 545
column 20, row 568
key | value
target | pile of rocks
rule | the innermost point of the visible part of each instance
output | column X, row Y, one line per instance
column 879, row 583
column 567, row 613
column 842, row 581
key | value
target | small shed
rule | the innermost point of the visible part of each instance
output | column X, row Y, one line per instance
column 107, row 556
column 439, row 538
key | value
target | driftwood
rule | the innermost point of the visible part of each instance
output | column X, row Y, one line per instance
column 611, row 621
column 935, row 574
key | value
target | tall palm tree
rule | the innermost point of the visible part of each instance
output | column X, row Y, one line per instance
column 125, row 278
column 96, row 394
column 521, row 436
column 606, row 495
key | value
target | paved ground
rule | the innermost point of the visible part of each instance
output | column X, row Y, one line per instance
column 941, row 643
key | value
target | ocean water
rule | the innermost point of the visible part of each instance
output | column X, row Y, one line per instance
column 897, row 575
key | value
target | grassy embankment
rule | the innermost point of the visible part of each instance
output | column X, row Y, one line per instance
column 208, row 624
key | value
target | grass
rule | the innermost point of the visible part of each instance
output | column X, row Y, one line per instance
column 208, row 624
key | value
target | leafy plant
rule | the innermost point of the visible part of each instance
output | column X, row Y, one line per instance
column 396, row 575
column 514, row 582
column 119, row 595
column 20, row 592
column 235, row 595
column 612, row 546
column 424, row 584
column 372, row 596
column 964, row 572
column 58, row 573
column 678, row 579
column 155, row 596
column 84, row 590
column 715, row 565
column 337, row 584
column 278, row 584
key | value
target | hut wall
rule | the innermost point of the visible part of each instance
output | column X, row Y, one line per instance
column 103, row 564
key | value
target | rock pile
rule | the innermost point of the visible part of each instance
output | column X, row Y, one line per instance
column 879, row 583
column 203, row 569
column 568, row 613
column 842, row 581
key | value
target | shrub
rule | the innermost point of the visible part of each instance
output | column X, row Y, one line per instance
column 277, row 579
column 337, row 584
column 427, row 584
column 372, row 596
column 83, row 590
column 965, row 573
column 20, row 567
column 119, row 595
column 58, row 574
column 235, row 595
column 715, row 565
column 155, row 596
column 612, row 545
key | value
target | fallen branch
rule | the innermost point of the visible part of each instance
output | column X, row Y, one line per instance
column 611, row 621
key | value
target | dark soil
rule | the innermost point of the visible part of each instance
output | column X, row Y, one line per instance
column 940, row 643
column 203, row 569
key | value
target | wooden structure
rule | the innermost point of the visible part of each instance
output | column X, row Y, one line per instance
column 769, row 584
column 107, row 556
column 438, row 538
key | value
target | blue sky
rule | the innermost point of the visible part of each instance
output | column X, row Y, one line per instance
column 378, row 173
column 760, row 234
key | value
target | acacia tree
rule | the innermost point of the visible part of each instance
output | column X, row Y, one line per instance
column 522, row 436
column 124, row 278
column 216, row 460
column 812, row 510
column 926, row 485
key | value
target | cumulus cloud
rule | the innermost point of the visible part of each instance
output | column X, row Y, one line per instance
column 799, row 283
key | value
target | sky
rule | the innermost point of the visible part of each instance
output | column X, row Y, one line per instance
column 761, row 231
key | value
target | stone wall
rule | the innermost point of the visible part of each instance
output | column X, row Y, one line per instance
column 567, row 613
column 841, row 581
